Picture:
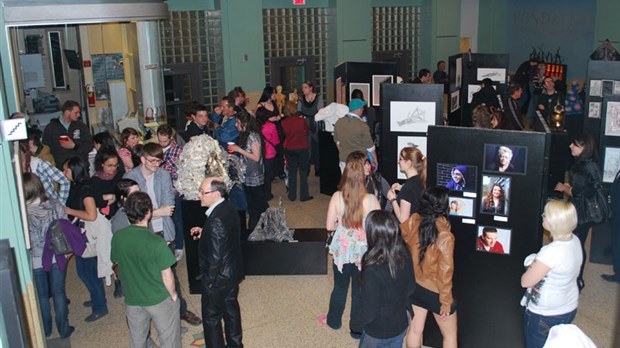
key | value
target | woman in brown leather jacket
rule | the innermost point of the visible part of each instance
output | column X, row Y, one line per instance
column 431, row 243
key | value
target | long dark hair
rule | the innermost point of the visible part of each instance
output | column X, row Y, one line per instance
column 104, row 154
column 267, row 93
column 433, row 206
column 385, row 245
column 79, row 170
column 588, row 143
column 250, row 126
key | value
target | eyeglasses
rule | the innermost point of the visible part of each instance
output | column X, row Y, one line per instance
column 401, row 159
column 156, row 161
column 202, row 192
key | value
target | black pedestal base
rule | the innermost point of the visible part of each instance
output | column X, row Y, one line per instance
column 306, row 256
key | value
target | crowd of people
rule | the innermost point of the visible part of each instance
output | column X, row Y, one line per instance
column 396, row 234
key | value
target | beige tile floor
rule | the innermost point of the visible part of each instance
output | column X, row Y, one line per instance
column 281, row 311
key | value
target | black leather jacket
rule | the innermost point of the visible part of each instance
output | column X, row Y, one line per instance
column 219, row 248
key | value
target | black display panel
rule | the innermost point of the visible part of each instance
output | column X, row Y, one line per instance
column 487, row 282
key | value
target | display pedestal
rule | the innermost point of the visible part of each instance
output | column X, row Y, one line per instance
column 306, row 256
column 193, row 215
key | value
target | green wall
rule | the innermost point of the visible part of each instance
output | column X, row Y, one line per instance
column 607, row 25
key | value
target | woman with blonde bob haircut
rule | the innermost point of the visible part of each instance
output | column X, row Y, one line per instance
column 552, row 294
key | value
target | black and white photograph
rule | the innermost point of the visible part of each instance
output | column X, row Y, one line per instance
column 596, row 88
column 612, row 119
column 507, row 159
column 412, row 116
column 493, row 240
column 594, row 110
column 364, row 87
column 611, row 165
column 407, row 141
column 377, row 80
column 457, row 177
column 616, row 87
column 495, row 197
column 455, row 102
column 495, row 74
column 460, row 206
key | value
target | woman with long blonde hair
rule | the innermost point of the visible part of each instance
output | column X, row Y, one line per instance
column 346, row 213
column 413, row 163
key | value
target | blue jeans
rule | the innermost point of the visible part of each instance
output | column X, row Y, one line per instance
column 537, row 326
column 394, row 342
column 338, row 298
column 53, row 281
column 87, row 271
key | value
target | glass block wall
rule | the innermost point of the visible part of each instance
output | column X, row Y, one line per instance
column 293, row 32
column 196, row 37
column 397, row 28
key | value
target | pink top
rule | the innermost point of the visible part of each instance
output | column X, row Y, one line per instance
column 270, row 132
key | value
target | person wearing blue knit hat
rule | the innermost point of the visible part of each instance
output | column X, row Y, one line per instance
column 351, row 133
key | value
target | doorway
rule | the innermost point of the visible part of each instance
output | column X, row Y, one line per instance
column 291, row 72
column 182, row 86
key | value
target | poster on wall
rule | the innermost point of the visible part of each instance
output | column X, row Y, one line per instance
column 612, row 119
column 407, row 141
column 508, row 159
column 594, row 110
column 495, row 74
column 377, row 80
column 616, row 89
column 460, row 206
column 457, row 177
column 459, row 72
column 495, row 195
column 106, row 67
column 411, row 116
column 611, row 165
column 455, row 101
column 493, row 240
column 364, row 87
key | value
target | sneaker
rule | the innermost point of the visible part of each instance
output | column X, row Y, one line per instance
column 95, row 316
column 191, row 318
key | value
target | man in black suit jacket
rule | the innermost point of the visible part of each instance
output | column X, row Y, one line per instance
column 221, row 267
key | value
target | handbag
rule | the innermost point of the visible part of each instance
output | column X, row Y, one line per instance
column 597, row 206
column 58, row 240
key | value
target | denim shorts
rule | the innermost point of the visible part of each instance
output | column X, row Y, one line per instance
column 429, row 300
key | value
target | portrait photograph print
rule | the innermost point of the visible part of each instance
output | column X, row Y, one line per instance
column 460, row 206
column 377, row 80
column 493, row 240
column 364, row 87
column 411, row 116
column 507, row 159
column 611, row 166
column 457, row 177
column 407, row 141
column 495, row 197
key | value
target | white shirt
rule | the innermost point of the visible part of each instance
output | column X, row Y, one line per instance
column 210, row 210
column 557, row 292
